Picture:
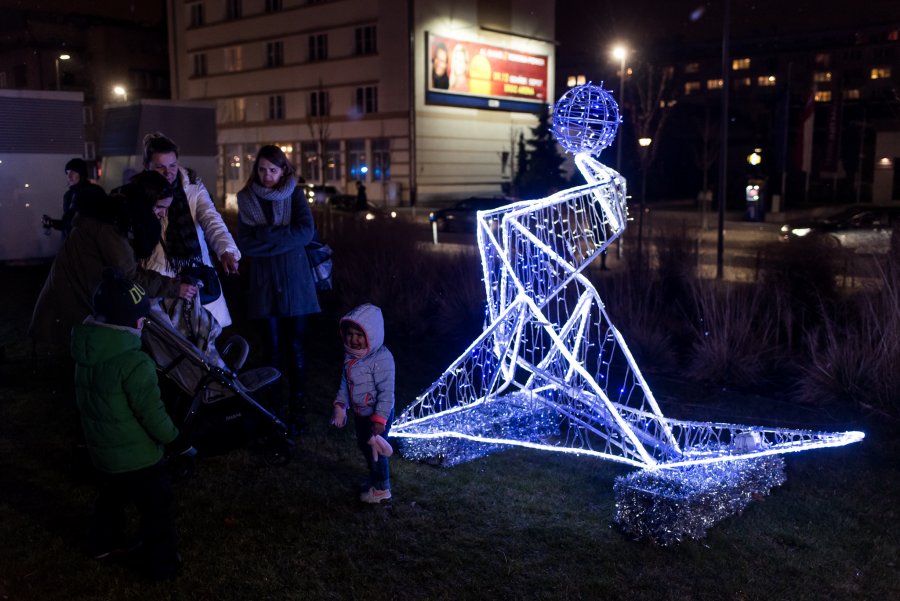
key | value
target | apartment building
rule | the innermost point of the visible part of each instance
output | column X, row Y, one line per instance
column 360, row 90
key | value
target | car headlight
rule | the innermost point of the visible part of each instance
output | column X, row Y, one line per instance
column 800, row 231
column 393, row 214
column 785, row 229
column 430, row 216
column 370, row 216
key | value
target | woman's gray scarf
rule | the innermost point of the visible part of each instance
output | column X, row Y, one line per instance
column 280, row 198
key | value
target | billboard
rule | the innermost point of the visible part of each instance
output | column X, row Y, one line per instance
column 472, row 74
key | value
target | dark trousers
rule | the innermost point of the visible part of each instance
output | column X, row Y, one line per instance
column 379, row 471
column 283, row 345
column 150, row 490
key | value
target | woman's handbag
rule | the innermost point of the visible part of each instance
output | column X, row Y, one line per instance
column 207, row 278
column 319, row 255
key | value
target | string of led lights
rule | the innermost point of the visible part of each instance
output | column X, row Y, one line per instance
column 550, row 370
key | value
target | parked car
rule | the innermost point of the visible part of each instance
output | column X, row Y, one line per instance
column 318, row 194
column 862, row 229
column 461, row 216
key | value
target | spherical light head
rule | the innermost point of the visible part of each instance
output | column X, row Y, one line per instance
column 585, row 119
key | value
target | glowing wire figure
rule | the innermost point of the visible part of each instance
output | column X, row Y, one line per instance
column 550, row 370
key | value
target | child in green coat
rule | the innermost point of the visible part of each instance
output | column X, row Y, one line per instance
column 125, row 426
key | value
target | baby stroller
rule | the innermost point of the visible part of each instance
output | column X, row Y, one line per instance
column 213, row 405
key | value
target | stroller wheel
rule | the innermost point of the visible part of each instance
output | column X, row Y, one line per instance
column 278, row 450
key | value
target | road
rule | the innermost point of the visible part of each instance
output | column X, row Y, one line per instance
column 749, row 246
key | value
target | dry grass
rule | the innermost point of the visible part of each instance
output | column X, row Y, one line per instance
column 853, row 356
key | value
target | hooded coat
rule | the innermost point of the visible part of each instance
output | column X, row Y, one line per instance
column 367, row 381
column 124, row 420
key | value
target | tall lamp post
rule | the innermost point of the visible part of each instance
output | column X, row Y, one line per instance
column 121, row 91
column 644, row 142
column 619, row 53
column 61, row 57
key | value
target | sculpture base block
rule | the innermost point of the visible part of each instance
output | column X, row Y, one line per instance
column 668, row 506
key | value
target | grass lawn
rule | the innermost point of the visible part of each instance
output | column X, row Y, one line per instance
column 517, row 525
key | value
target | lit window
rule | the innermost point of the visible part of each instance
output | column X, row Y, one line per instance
column 692, row 68
column 823, row 96
column 742, row 82
column 570, row 81
column 822, row 76
column 233, row 58
column 893, row 36
column 333, row 160
column 691, row 86
column 381, row 160
column 714, row 84
column 739, row 64
column 356, row 159
column 766, row 81
column 581, row 80
column 880, row 72
column 309, row 167
column 852, row 94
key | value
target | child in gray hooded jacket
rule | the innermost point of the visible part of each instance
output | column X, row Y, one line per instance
column 367, row 387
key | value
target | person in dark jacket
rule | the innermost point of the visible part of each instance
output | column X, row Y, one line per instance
column 99, row 239
column 77, row 178
column 274, row 226
column 125, row 425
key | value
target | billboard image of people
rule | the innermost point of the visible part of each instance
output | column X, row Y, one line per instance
column 464, row 73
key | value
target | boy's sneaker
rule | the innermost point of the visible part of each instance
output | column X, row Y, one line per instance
column 374, row 495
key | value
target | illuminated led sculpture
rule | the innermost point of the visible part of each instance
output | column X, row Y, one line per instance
column 550, row 370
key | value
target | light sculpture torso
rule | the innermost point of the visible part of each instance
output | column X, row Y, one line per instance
column 550, row 370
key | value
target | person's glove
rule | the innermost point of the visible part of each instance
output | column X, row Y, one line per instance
column 339, row 416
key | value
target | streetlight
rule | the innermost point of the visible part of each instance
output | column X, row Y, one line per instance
column 121, row 91
column 619, row 53
column 644, row 142
column 61, row 57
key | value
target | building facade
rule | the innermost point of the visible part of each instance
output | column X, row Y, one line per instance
column 807, row 101
column 354, row 90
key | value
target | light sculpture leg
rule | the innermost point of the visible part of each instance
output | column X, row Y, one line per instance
column 550, row 370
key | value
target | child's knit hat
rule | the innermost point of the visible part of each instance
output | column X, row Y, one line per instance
column 119, row 301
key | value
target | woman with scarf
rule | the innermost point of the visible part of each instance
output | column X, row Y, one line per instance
column 192, row 223
column 274, row 226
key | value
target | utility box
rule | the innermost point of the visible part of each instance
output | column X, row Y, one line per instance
column 191, row 125
column 40, row 131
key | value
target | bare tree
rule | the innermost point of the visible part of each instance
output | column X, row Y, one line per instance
column 319, row 122
column 653, row 89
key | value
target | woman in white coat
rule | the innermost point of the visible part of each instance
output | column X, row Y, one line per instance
column 192, row 226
